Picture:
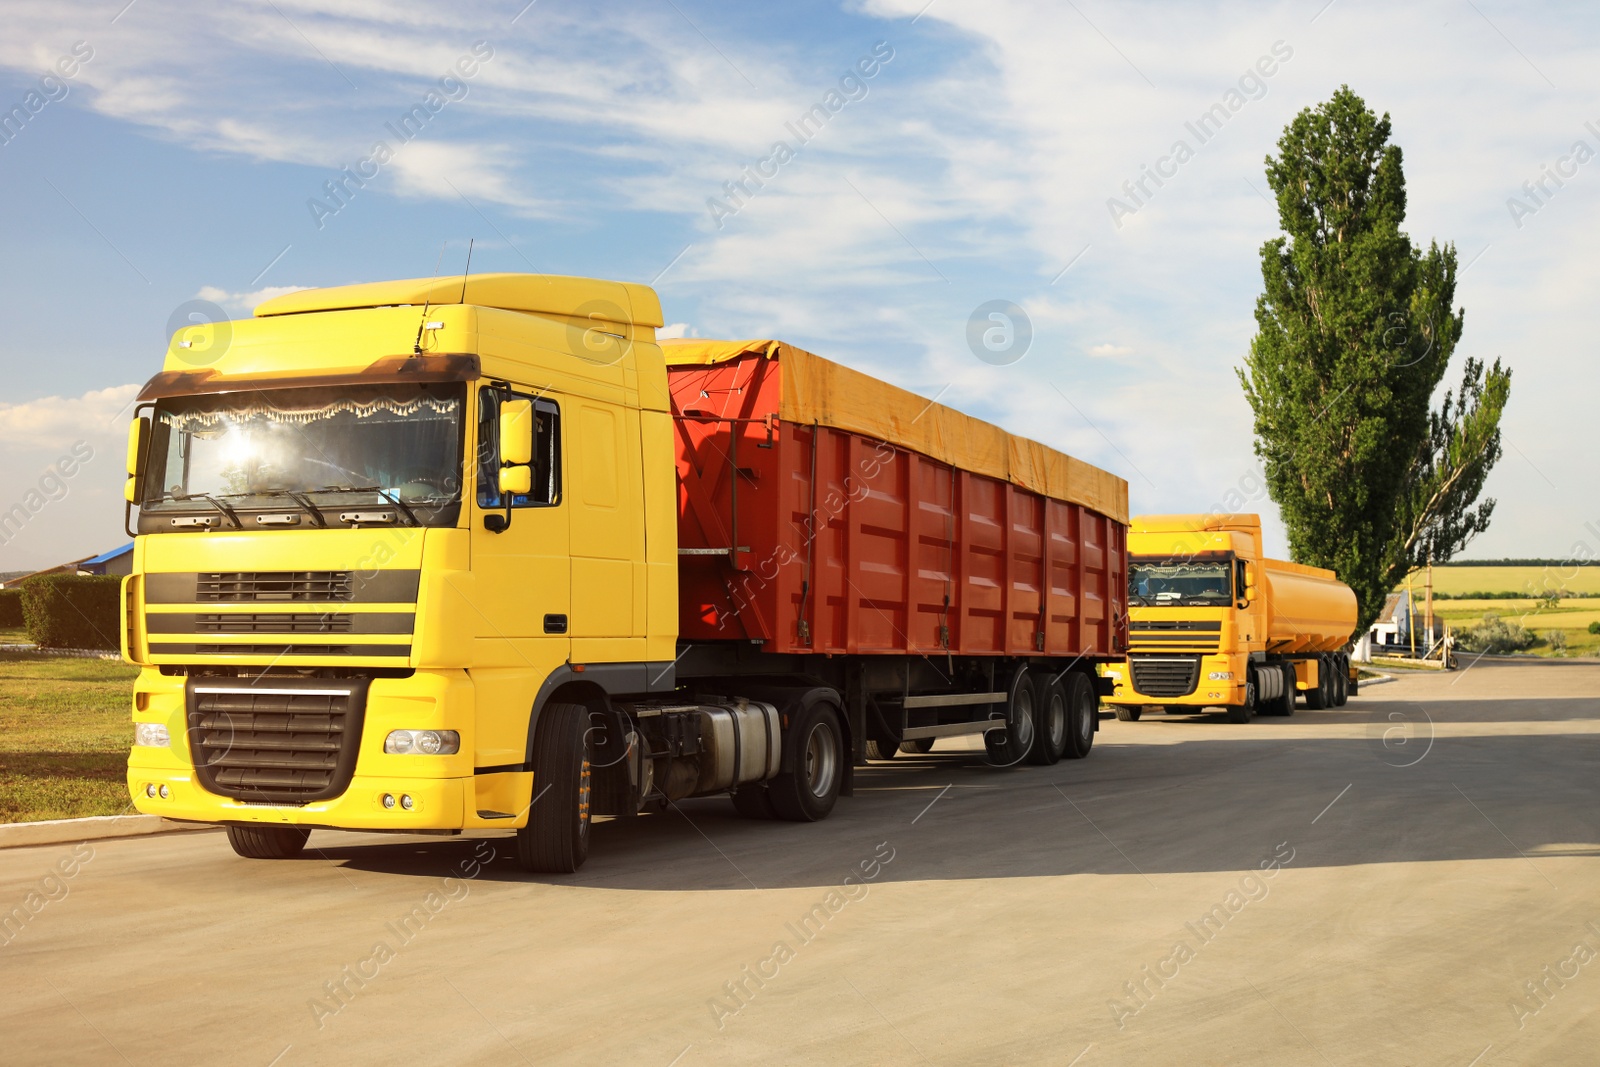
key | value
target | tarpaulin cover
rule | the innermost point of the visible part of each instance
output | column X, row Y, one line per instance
column 818, row 390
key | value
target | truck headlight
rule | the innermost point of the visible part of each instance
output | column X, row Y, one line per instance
column 151, row 735
column 1220, row 676
column 422, row 742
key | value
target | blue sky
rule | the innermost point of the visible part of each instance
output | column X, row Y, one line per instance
column 974, row 164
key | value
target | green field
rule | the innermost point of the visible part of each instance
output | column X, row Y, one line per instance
column 1529, row 581
column 64, row 736
column 1572, row 617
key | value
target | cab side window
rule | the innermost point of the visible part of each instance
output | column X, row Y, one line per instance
column 546, row 491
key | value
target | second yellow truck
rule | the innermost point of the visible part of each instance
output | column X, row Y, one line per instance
column 1212, row 622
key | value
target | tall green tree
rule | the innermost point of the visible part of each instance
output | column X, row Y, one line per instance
column 1355, row 330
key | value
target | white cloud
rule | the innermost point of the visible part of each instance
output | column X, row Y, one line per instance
column 53, row 422
column 1108, row 350
column 245, row 302
column 675, row 329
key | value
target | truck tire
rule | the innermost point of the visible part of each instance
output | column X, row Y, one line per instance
column 1010, row 746
column 1083, row 714
column 881, row 750
column 556, row 839
column 1341, row 681
column 814, row 754
column 1240, row 713
column 1050, row 719
column 1317, row 695
column 1286, row 702
column 920, row 747
column 268, row 842
column 1129, row 712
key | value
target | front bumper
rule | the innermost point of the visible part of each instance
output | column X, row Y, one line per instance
column 1206, row 694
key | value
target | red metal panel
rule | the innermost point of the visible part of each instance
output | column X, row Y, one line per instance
column 880, row 551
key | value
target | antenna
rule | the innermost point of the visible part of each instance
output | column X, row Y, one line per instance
column 416, row 346
column 467, row 270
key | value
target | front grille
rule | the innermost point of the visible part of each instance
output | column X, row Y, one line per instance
column 1152, row 635
column 268, row 623
column 1166, row 676
column 247, row 586
column 284, row 741
column 1175, row 624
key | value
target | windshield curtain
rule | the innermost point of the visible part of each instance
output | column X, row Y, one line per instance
column 333, row 446
column 1201, row 583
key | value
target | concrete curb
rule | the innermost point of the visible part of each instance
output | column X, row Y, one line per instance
column 94, row 828
column 1379, row 680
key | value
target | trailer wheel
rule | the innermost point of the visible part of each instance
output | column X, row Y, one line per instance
column 1317, row 696
column 1129, row 712
column 1083, row 711
column 556, row 839
column 1341, row 681
column 815, row 755
column 268, row 842
column 1050, row 720
column 920, row 747
column 1010, row 746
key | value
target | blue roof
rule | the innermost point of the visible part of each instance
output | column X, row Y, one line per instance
column 106, row 557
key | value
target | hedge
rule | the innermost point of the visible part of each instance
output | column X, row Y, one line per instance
column 73, row 611
column 10, row 609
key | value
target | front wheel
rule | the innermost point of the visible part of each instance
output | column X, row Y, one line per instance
column 268, row 842
column 556, row 838
column 815, row 759
column 1129, row 713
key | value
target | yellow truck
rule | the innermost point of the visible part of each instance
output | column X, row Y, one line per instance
column 1214, row 623
column 465, row 555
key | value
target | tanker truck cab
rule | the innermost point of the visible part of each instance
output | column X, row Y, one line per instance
column 1213, row 623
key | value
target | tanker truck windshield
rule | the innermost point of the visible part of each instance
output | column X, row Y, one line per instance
column 1152, row 583
column 390, row 446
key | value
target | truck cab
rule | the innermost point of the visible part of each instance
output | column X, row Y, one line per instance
column 1214, row 623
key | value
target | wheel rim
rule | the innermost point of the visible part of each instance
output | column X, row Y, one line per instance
column 822, row 760
column 1056, row 718
column 1085, row 722
column 1022, row 728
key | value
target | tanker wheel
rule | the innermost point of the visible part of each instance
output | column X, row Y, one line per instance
column 814, row 754
column 1341, row 681
column 920, row 747
column 1083, row 715
column 1010, row 745
column 1286, row 702
column 1050, row 720
column 1129, row 712
column 1317, row 695
column 268, row 842
column 556, row 838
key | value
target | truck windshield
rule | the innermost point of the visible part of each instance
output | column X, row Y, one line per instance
column 333, row 447
column 1206, row 582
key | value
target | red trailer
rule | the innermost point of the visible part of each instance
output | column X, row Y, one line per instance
column 949, row 578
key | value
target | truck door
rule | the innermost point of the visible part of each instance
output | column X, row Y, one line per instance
column 521, row 574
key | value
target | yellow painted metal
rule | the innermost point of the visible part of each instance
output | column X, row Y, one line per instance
column 482, row 643
column 1297, row 610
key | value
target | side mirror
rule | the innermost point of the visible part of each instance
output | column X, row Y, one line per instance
column 516, row 434
column 516, row 481
column 138, row 438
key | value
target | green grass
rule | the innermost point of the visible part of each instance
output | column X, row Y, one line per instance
column 16, row 636
column 1572, row 617
column 64, row 736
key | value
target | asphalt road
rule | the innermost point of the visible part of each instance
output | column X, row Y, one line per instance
column 1429, row 849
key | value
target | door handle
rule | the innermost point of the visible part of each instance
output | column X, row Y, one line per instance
column 555, row 624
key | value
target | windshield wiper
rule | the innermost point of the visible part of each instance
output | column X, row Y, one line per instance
column 209, row 499
column 399, row 504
